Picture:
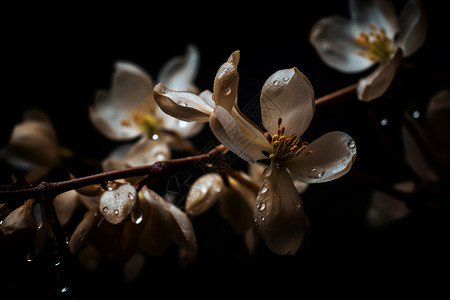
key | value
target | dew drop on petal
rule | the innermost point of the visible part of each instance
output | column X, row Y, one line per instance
column 105, row 209
column 116, row 211
column 261, row 206
column 227, row 91
column 276, row 82
column 263, row 189
column 351, row 143
column 384, row 122
column 110, row 185
column 37, row 212
column 130, row 196
column 416, row 114
column 137, row 216
column 316, row 173
column 155, row 137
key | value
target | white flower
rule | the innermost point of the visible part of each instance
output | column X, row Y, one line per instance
column 373, row 35
column 128, row 111
column 287, row 107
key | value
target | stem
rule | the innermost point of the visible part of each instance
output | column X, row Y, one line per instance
column 157, row 169
column 337, row 96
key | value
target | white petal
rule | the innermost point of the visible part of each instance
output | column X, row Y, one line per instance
column 65, row 204
column 413, row 25
column 182, row 105
column 118, row 203
column 226, row 82
column 182, row 128
column 287, row 94
column 279, row 213
column 377, row 12
column 131, row 86
column 148, row 151
column 374, row 85
column 239, row 139
column 332, row 156
column 333, row 39
column 107, row 118
column 179, row 73
column 203, row 194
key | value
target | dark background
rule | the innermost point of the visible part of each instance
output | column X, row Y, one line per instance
column 55, row 58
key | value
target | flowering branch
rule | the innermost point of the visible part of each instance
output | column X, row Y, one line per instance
column 153, row 171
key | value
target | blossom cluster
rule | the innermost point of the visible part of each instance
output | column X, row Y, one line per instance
column 124, row 219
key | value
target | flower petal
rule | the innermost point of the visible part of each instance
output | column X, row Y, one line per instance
column 226, row 82
column 107, row 119
column 179, row 73
column 279, row 213
column 118, row 203
column 65, row 204
column 203, row 194
column 377, row 12
column 131, row 86
column 238, row 136
column 374, row 85
column 333, row 39
column 332, row 156
column 283, row 91
column 182, row 105
column 413, row 25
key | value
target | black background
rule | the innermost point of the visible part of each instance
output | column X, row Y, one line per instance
column 56, row 57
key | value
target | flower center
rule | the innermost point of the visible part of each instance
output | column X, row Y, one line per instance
column 145, row 118
column 286, row 149
column 375, row 45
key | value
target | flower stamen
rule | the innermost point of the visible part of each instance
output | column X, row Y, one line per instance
column 286, row 149
column 375, row 45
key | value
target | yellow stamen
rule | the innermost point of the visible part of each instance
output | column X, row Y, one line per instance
column 375, row 45
column 286, row 149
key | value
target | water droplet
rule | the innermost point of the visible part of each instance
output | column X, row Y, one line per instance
column 227, row 91
column 286, row 78
column 130, row 196
column 182, row 124
column 37, row 212
column 159, row 156
column 261, row 206
column 298, row 204
column 262, row 218
column 316, row 173
column 116, row 211
column 264, row 189
column 110, row 185
column 137, row 216
column 1, row 222
column 384, row 122
column 155, row 137
column 117, row 196
column 105, row 209
column 416, row 114
column 351, row 143
column 267, row 171
column 276, row 82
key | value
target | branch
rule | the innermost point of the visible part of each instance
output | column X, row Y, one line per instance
column 153, row 171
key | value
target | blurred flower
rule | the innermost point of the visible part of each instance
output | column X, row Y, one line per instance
column 128, row 111
column 427, row 150
column 373, row 35
column 121, row 224
column 33, row 146
column 287, row 99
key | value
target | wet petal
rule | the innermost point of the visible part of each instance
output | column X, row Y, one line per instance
column 239, row 139
column 374, row 85
column 182, row 105
column 413, row 25
column 180, row 72
column 203, row 194
column 281, row 92
column 226, row 82
column 333, row 39
column 332, row 156
column 118, row 203
column 82, row 234
column 279, row 213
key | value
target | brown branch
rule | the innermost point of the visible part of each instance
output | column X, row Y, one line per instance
column 337, row 96
column 158, row 169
